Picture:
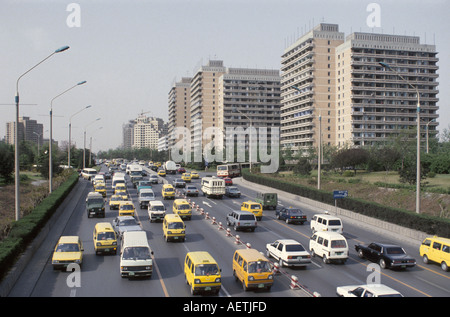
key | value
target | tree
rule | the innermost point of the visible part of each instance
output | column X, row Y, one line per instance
column 6, row 162
column 350, row 158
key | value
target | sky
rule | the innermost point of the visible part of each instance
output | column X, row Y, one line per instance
column 130, row 52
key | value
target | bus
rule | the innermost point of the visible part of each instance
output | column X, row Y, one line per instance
column 229, row 170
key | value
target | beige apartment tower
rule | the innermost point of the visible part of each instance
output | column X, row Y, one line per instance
column 308, row 89
column 179, row 108
column 373, row 103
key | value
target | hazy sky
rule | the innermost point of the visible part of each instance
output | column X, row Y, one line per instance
column 131, row 51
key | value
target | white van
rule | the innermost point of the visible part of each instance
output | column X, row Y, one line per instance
column 330, row 246
column 117, row 179
column 156, row 210
column 213, row 186
column 88, row 173
column 326, row 222
column 135, row 255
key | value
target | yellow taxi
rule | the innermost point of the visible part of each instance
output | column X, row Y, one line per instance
column 202, row 272
column 436, row 249
column 182, row 208
column 105, row 240
column 126, row 208
column 100, row 188
column 114, row 201
column 168, row 191
column 69, row 249
column 253, row 207
column 121, row 189
column 162, row 173
column 186, row 177
column 194, row 175
column 173, row 228
column 158, row 164
column 253, row 269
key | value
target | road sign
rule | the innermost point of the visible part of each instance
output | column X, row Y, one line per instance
column 340, row 194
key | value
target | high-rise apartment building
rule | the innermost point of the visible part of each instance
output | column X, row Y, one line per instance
column 338, row 84
column 249, row 98
column 179, row 108
column 204, row 101
column 29, row 130
column 373, row 102
column 308, row 88
column 143, row 132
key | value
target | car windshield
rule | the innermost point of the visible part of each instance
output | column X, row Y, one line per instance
column 259, row 267
column 128, row 222
column 395, row 250
column 247, row 217
column 100, row 187
column 294, row 248
column 96, row 201
column 334, row 222
column 169, row 190
column 116, row 198
column 158, row 208
column 192, row 188
column 68, row 247
column 106, row 236
column 145, row 184
column 338, row 244
column 184, row 207
column 175, row 225
column 126, row 207
column 136, row 253
column 206, row 269
column 147, row 195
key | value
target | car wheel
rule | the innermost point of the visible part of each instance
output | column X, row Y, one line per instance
column 361, row 254
column 313, row 254
column 280, row 262
column 325, row 259
column 268, row 254
column 287, row 221
column 444, row 266
column 382, row 263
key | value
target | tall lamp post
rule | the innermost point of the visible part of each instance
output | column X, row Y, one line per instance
column 70, row 133
column 16, row 141
column 418, row 134
column 84, row 146
column 50, row 159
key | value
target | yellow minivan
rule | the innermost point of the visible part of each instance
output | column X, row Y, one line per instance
column 436, row 249
column 253, row 207
column 252, row 269
column 105, row 240
column 126, row 208
column 173, row 228
column 182, row 208
column 168, row 192
column 202, row 273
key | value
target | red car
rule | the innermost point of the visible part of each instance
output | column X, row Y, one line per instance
column 228, row 181
column 181, row 170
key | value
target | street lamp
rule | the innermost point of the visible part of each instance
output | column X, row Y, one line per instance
column 70, row 133
column 16, row 141
column 84, row 147
column 418, row 134
column 50, row 160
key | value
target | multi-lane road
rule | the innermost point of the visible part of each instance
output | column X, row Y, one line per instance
column 100, row 273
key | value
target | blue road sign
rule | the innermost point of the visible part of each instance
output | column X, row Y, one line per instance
column 340, row 194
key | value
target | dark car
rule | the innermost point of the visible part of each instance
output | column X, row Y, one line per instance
column 179, row 183
column 181, row 170
column 386, row 255
column 232, row 191
column 291, row 215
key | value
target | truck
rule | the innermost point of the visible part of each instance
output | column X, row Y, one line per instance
column 145, row 196
column 170, row 167
column 267, row 200
column 95, row 205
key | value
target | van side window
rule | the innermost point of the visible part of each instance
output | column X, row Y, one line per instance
column 325, row 243
column 320, row 240
column 324, row 221
column 280, row 247
column 446, row 249
column 245, row 266
column 437, row 246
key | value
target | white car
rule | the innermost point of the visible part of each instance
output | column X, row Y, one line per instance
column 368, row 290
column 288, row 252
